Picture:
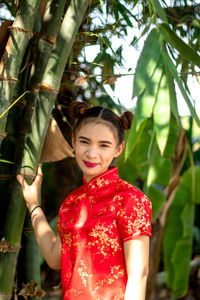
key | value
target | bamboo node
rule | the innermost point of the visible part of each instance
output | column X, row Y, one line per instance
column 5, row 296
column 31, row 289
column 6, row 176
column 47, row 88
column 3, row 78
column 48, row 39
column 28, row 175
column 31, row 34
column 3, row 134
column 5, row 246
column 28, row 229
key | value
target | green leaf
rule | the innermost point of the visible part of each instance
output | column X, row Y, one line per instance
column 6, row 161
column 174, row 72
column 161, row 114
column 147, row 62
column 146, row 100
column 172, row 138
column 133, row 137
column 157, row 197
column 125, row 12
column 137, row 163
column 160, row 169
column 172, row 92
column 179, row 233
column 183, row 250
column 159, row 10
column 186, row 51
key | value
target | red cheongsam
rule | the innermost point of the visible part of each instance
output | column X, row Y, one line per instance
column 94, row 221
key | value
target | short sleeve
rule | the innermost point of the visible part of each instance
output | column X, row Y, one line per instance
column 134, row 214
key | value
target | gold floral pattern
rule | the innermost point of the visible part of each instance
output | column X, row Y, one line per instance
column 115, row 273
column 93, row 223
column 82, row 270
column 102, row 240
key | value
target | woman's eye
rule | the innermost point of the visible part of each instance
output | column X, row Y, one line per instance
column 104, row 146
column 83, row 142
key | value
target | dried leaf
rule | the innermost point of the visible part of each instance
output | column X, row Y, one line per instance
column 111, row 80
column 31, row 289
column 55, row 146
column 4, row 34
column 80, row 81
column 4, row 245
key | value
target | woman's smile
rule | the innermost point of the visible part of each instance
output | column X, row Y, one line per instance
column 90, row 164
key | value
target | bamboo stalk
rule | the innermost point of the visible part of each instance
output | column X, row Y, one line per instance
column 61, row 51
column 31, row 255
column 21, row 32
column 47, row 96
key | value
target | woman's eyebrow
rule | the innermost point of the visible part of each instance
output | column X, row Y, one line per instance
column 83, row 137
column 105, row 142
column 102, row 142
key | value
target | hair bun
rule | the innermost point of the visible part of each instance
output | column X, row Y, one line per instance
column 77, row 109
column 126, row 120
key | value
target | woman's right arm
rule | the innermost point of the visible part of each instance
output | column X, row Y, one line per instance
column 49, row 244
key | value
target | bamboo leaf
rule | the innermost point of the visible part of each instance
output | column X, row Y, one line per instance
column 147, row 62
column 159, row 10
column 146, row 100
column 174, row 72
column 6, row 161
column 161, row 114
column 124, row 12
column 185, row 50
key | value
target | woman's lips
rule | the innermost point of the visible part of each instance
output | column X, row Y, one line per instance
column 89, row 164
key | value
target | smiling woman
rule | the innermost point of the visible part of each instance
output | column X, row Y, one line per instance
column 95, row 152
column 104, row 226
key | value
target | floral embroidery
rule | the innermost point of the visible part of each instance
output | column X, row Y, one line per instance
column 93, row 223
column 103, row 241
column 115, row 273
column 73, row 292
column 82, row 270
column 68, row 239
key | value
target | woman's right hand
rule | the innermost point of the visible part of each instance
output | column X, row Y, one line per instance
column 31, row 192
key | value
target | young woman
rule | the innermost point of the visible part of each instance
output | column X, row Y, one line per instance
column 104, row 226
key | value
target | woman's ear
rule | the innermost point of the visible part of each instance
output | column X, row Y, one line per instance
column 119, row 149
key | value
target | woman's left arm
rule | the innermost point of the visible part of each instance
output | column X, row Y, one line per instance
column 137, row 264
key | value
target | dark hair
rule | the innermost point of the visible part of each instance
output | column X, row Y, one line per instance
column 87, row 114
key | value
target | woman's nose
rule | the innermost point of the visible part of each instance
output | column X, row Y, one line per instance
column 91, row 152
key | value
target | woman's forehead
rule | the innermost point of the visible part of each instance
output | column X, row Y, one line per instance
column 97, row 129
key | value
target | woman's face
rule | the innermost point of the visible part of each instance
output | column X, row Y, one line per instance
column 95, row 147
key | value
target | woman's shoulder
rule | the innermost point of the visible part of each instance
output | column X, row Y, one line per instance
column 124, row 186
column 128, row 192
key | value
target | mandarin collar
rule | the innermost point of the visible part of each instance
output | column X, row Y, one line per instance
column 102, row 180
